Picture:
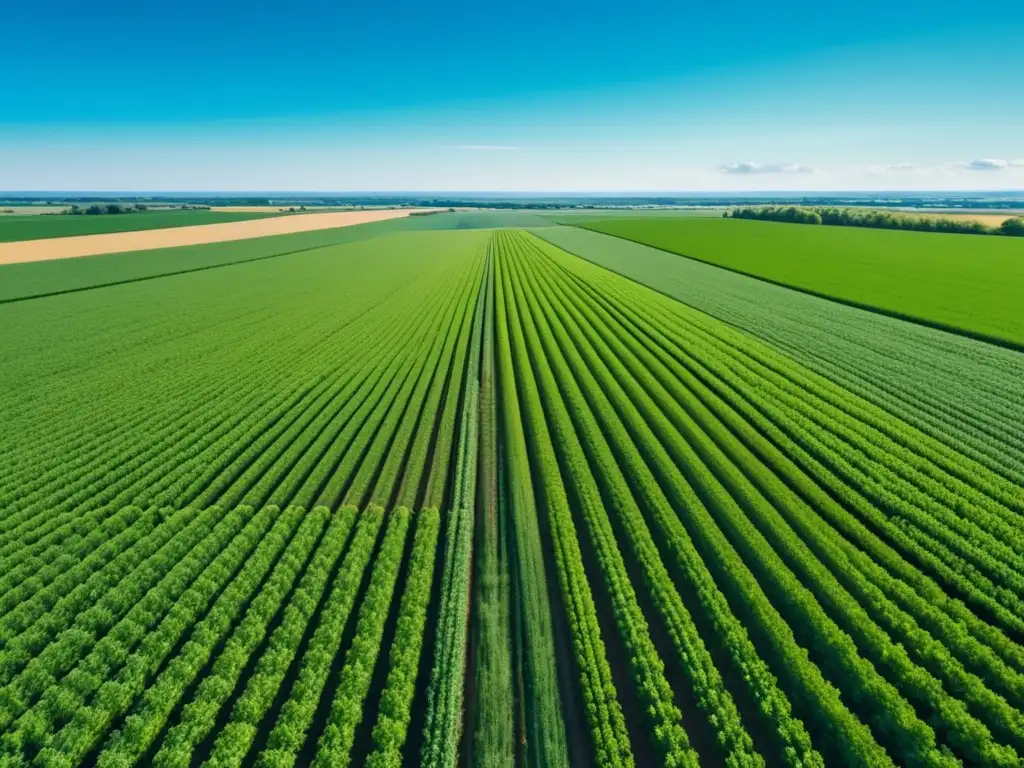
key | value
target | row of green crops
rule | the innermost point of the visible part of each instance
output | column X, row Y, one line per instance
column 965, row 393
column 445, row 695
column 46, row 278
column 946, row 280
column 38, row 227
column 465, row 498
column 138, row 633
column 885, row 618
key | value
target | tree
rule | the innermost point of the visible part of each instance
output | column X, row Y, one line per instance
column 1013, row 227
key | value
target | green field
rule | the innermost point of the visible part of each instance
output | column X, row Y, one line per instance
column 968, row 398
column 44, row 278
column 36, row 227
column 960, row 282
column 481, row 220
column 502, row 498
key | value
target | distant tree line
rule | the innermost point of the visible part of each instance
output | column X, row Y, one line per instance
column 97, row 209
column 858, row 217
column 108, row 209
column 431, row 213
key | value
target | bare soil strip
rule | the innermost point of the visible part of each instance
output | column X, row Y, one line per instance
column 121, row 242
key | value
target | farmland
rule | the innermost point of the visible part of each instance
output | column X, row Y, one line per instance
column 48, row 278
column 35, row 227
column 249, row 227
column 955, row 282
column 452, row 492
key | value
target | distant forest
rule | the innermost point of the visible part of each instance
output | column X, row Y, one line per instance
column 860, row 217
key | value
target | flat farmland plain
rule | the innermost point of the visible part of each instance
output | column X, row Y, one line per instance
column 215, row 228
column 495, row 497
column 33, row 226
column 964, row 283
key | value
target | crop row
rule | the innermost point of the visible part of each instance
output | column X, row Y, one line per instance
column 67, row 527
column 738, row 510
column 505, row 507
column 709, row 689
column 963, row 392
column 123, row 472
column 489, row 720
column 445, row 694
column 136, row 634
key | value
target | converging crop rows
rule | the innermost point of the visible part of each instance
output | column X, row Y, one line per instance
column 450, row 498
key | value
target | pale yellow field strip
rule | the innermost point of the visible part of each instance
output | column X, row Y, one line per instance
column 284, row 209
column 988, row 219
column 30, row 210
column 121, row 242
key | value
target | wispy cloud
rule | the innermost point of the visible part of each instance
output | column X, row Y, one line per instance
column 881, row 170
column 752, row 168
column 487, row 147
column 984, row 164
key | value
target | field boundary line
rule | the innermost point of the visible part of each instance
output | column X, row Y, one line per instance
column 998, row 341
column 130, row 280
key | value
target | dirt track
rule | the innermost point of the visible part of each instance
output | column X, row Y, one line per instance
column 120, row 242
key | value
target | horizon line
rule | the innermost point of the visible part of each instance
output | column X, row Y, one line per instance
column 530, row 193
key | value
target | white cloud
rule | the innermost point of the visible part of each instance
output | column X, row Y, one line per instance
column 1017, row 163
column 984, row 164
column 749, row 168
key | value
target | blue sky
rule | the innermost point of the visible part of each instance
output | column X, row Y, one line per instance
column 531, row 96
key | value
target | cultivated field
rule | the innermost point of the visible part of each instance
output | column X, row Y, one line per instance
column 484, row 496
column 36, row 227
column 231, row 226
column 991, row 218
column 28, row 210
column 964, row 283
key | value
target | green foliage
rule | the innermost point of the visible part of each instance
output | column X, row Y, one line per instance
column 443, row 727
column 967, row 285
column 235, row 740
column 151, row 714
column 954, row 389
column 44, row 278
column 73, row 742
column 749, row 526
column 862, row 217
column 1013, row 227
column 491, row 723
column 391, row 730
column 696, row 426
column 542, row 726
column 38, row 702
column 296, row 716
column 646, row 666
column 109, row 218
column 346, row 712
